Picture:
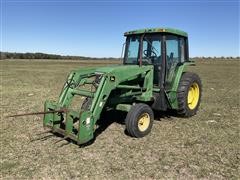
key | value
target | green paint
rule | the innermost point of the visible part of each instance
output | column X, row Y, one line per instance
column 113, row 77
column 172, row 93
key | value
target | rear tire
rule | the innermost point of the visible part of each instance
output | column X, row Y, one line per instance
column 189, row 94
column 139, row 120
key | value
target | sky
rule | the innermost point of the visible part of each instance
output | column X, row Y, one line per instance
column 95, row 28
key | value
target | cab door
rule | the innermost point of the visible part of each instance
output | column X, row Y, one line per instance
column 175, row 54
column 152, row 52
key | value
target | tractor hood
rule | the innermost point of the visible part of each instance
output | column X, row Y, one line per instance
column 116, row 69
column 121, row 73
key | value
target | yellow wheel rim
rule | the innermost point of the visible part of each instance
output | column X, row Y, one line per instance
column 193, row 96
column 143, row 122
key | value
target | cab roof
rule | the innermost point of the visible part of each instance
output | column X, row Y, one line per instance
column 157, row 30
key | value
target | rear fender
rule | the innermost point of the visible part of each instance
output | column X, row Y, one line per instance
column 172, row 93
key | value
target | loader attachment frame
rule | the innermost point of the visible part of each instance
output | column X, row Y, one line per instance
column 79, row 125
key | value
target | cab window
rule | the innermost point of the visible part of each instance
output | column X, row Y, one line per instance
column 175, row 53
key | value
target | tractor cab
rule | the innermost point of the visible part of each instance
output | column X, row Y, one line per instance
column 164, row 48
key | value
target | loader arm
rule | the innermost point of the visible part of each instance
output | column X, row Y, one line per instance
column 99, row 86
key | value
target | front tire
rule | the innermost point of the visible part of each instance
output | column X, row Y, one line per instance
column 189, row 94
column 139, row 120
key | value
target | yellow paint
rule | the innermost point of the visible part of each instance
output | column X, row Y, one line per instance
column 193, row 96
column 143, row 122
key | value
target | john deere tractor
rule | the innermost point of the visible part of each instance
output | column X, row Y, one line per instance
column 153, row 77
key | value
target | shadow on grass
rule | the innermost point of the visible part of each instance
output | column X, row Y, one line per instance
column 169, row 114
column 114, row 116
column 106, row 119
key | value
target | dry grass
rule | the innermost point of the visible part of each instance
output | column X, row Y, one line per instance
column 204, row 146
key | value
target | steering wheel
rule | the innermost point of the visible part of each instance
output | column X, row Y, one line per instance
column 145, row 52
column 151, row 58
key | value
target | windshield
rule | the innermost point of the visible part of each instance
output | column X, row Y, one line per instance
column 151, row 49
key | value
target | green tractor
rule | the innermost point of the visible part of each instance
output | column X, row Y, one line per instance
column 152, row 77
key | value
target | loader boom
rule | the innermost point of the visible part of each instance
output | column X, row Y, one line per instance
column 79, row 124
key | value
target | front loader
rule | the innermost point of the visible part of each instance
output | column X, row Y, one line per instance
column 116, row 87
column 153, row 77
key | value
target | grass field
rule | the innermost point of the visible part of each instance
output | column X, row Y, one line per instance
column 204, row 146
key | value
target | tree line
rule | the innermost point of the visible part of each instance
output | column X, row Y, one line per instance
column 216, row 58
column 38, row 55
